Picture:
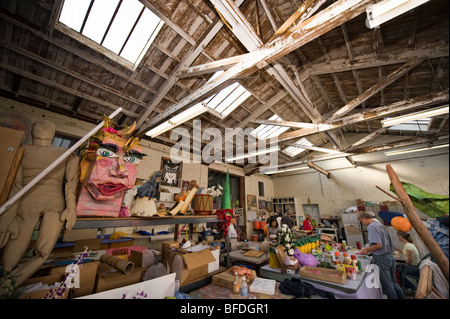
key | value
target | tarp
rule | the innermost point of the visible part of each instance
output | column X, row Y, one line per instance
column 433, row 205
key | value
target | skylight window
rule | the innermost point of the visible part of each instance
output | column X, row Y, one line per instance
column 417, row 125
column 294, row 150
column 265, row 131
column 228, row 99
column 125, row 27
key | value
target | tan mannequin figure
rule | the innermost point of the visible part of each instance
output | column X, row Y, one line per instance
column 53, row 199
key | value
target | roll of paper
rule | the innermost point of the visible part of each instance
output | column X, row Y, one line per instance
column 124, row 266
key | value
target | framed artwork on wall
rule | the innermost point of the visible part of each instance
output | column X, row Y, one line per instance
column 251, row 201
column 262, row 204
column 170, row 173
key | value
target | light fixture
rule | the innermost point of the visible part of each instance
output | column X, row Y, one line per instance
column 415, row 116
column 386, row 10
column 412, row 150
column 178, row 119
column 256, row 153
column 286, row 170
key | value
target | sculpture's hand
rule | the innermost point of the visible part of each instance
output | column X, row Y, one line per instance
column 9, row 226
column 70, row 217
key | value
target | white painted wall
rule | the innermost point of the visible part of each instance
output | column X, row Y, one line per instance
column 428, row 170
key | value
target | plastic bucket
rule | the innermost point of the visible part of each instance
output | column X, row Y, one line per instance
column 256, row 224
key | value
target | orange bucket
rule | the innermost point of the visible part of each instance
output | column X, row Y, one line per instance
column 254, row 237
column 262, row 225
column 257, row 224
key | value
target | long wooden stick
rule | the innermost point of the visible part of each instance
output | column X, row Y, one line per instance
column 414, row 219
column 33, row 182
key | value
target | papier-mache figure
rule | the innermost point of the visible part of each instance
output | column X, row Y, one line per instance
column 52, row 199
column 108, row 169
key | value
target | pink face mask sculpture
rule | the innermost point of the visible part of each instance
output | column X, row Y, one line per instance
column 108, row 169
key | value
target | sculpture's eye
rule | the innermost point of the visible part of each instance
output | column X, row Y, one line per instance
column 106, row 152
column 131, row 159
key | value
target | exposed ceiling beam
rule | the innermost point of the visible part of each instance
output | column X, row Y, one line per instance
column 401, row 106
column 186, row 62
column 371, row 149
column 373, row 61
column 319, row 169
column 365, row 139
column 314, row 148
column 334, row 15
column 393, row 76
column 244, row 31
column 296, row 124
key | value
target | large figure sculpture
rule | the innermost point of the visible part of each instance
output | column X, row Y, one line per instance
column 108, row 170
column 52, row 199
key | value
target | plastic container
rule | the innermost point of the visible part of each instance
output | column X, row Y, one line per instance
column 236, row 286
column 244, row 287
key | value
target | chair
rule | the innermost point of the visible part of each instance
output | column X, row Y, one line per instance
column 403, row 273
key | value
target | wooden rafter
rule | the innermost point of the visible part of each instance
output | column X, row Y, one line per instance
column 336, row 14
column 405, row 105
column 319, row 169
column 376, row 88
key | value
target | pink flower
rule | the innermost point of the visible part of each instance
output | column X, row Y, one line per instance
column 110, row 130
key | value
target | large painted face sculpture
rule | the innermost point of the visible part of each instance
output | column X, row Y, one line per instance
column 108, row 169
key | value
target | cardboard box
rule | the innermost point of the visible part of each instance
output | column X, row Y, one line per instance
column 226, row 279
column 214, row 265
column 281, row 255
column 323, row 274
column 88, row 272
column 116, row 279
column 189, row 266
column 289, row 269
column 40, row 294
column 166, row 246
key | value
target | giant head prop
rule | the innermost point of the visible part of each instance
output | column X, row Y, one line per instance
column 108, row 169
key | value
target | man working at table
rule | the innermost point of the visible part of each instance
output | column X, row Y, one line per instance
column 381, row 248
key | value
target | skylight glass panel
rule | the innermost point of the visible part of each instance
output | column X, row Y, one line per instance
column 73, row 13
column 125, row 27
column 103, row 11
column 417, row 125
column 265, row 131
column 137, row 45
column 124, row 21
column 228, row 99
column 293, row 150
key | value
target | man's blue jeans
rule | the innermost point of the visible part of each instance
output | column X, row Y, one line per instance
column 386, row 265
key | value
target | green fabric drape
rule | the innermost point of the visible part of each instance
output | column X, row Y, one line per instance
column 433, row 205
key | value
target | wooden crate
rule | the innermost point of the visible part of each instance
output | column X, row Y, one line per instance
column 324, row 274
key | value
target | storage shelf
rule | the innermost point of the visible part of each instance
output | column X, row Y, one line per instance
column 110, row 222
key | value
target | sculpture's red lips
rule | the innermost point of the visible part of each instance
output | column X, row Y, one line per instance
column 108, row 189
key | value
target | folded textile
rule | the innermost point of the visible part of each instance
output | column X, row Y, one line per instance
column 299, row 288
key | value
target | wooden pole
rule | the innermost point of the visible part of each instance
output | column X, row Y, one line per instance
column 435, row 250
column 34, row 181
